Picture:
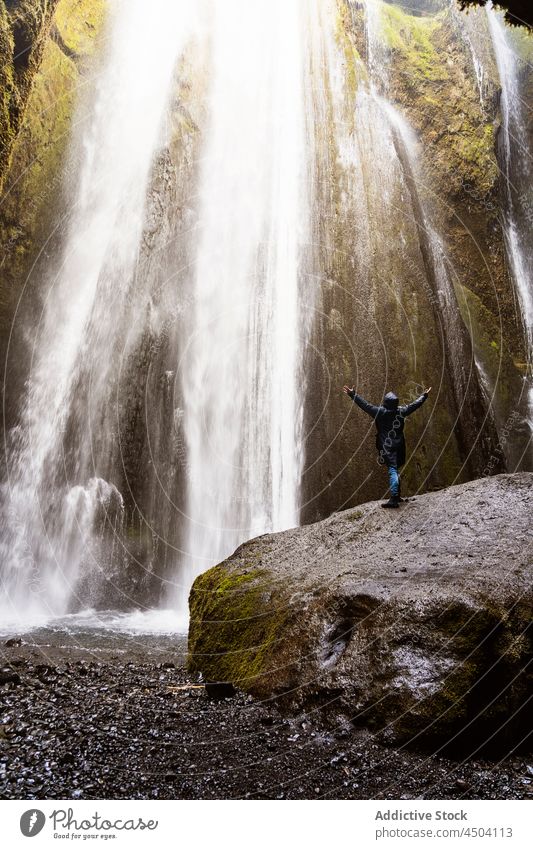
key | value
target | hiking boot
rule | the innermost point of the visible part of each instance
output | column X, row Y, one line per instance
column 393, row 501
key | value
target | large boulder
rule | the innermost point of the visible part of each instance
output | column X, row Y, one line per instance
column 414, row 622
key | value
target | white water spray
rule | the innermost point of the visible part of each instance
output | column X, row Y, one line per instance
column 45, row 524
column 241, row 373
column 517, row 173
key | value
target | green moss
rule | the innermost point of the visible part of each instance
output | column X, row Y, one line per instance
column 24, row 40
column 354, row 67
column 9, row 94
column 473, row 147
column 229, row 583
column 442, row 102
column 412, row 37
column 79, row 22
column 7, row 85
column 37, row 144
column 489, row 348
column 39, row 151
column 235, row 631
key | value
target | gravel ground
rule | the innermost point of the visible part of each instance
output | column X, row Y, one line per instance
column 72, row 726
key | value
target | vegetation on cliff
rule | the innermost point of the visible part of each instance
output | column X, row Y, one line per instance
column 39, row 101
column 432, row 81
column 24, row 27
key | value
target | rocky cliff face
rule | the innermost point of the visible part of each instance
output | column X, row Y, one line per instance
column 24, row 29
column 456, row 114
column 416, row 622
column 418, row 288
column 48, row 45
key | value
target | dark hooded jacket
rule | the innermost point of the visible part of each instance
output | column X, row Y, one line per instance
column 390, row 420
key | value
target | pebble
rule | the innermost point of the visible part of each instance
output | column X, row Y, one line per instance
column 145, row 744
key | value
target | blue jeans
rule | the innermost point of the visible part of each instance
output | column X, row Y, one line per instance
column 394, row 480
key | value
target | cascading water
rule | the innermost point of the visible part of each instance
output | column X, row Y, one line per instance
column 237, row 421
column 216, row 238
column 471, row 29
column 387, row 205
column 517, row 169
column 52, row 497
column 436, row 263
column 241, row 373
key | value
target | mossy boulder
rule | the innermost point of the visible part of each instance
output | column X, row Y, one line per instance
column 415, row 623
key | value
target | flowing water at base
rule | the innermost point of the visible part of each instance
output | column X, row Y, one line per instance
column 90, row 635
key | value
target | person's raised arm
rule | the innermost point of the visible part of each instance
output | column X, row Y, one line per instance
column 414, row 405
column 371, row 409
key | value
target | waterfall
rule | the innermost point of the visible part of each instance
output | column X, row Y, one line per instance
column 472, row 30
column 242, row 380
column 52, row 496
column 230, row 405
column 248, row 204
column 517, row 170
column 383, row 129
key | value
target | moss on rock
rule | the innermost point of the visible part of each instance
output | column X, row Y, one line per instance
column 37, row 118
column 503, row 373
column 413, row 39
column 79, row 22
column 458, row 134
column 24, row 28
column 235, row 634
column 354, row 67
column 8, row 90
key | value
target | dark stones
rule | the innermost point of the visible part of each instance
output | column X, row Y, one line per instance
column 101, row 747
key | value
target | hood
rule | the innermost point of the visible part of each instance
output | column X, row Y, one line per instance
column 390, row 401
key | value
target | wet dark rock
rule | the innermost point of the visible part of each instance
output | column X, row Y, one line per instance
column 219, row 689
column 8, row 676
column 321, row 618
